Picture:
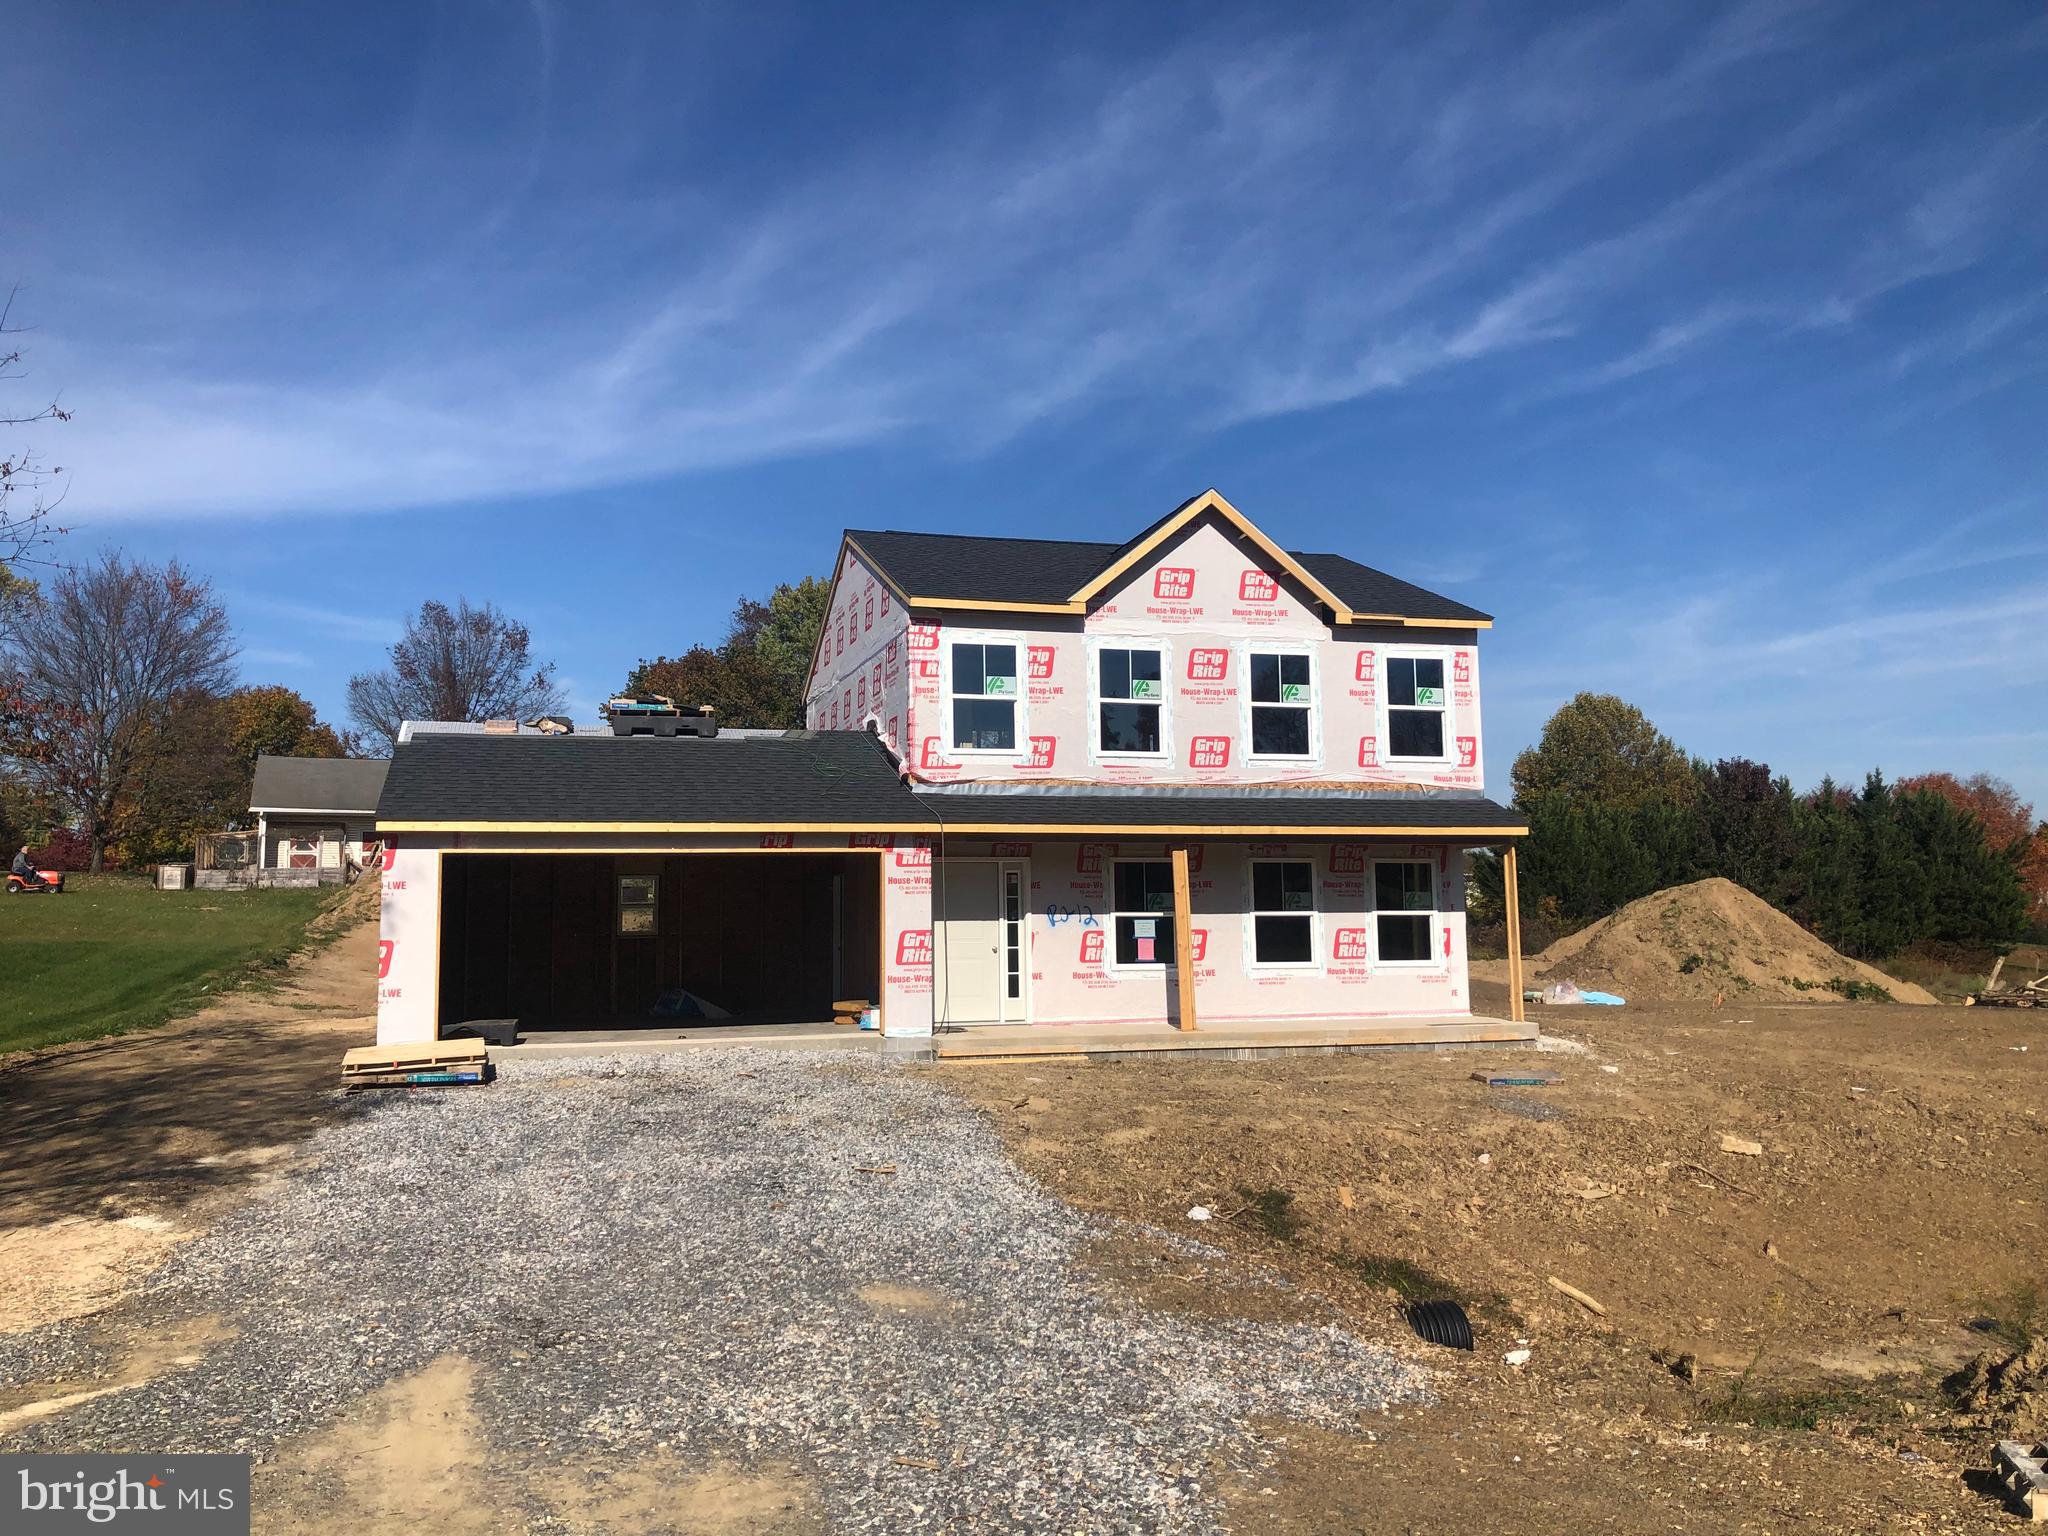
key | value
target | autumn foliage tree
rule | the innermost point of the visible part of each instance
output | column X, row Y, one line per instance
column 2008, row 822
column 98, row 662
column 206, row 762
column 755, row 675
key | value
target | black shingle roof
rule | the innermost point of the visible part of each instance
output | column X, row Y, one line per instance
column 822, row 776
column 1306, row 809
column 967, row 567
column 973, row 568
column 835, row 778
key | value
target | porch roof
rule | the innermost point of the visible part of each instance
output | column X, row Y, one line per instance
column 834, row 781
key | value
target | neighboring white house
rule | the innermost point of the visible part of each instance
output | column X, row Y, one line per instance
column 315, row 816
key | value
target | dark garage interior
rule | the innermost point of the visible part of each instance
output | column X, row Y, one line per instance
column 596, row 941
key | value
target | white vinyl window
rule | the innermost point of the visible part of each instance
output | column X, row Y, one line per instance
column 1404, row 911
column 1283, row 912
column 1416, row 705
column 1130, row 690
column 1282, row 704
column 984, row 696
column 1142, row 923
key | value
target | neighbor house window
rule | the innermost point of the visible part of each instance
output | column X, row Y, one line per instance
column 985, row 697
column 1144, row 912
column 1129, row 690
column 1404, row 902
column 1283, row 912
column 1415, row 706
column 1282, row 698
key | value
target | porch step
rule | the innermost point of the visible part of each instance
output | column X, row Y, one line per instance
column 1105, row 1039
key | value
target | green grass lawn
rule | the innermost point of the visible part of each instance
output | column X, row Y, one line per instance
column 113, row 953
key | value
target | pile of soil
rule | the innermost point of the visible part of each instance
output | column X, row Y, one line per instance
column 358, row 903
column 1690, row 942
column 2010, row 1392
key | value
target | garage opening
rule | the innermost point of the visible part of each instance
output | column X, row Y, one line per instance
column 612, row 941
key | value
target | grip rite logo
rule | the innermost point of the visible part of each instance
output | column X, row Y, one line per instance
column 1209, row 752
column 1198, row 945
column 1091, row 948
column 1368, row 752
column 1347, row 859
column 1363, row 673
column 1468, row 751
column 1038, row 663
column 916, row 855
column 1173, row 583
column 924, row 637
column 1042, row 750
column 385, row 947
column 1461, row 667
column 871, row 840
column 914, row 946
column 1208, row 664
column 778, row 839
column 1349, row 945
column 1257, row 587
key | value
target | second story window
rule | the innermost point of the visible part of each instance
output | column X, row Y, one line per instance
column 1283, row 699
column 1129, row 692
column 1415, row 706
column 985, row 697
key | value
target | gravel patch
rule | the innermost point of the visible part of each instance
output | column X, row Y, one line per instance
column 669, row 1251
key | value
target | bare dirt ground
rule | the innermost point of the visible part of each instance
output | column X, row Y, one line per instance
column 116, row 1149
column 1778, row 1324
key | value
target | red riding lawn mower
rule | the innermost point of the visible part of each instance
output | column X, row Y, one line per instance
column 52, row 883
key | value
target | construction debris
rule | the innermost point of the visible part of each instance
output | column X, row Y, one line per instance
column 2023, row 1472
column 2028, row 994
column 1575, row 1294
column 1741, row 1146
column 435, row 1063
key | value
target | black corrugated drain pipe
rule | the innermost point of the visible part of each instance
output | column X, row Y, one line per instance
column 1441, row 1322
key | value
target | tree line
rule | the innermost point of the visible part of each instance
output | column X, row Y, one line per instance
column 1617, row 810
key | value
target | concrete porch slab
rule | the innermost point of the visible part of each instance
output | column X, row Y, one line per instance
column 1248, row 1039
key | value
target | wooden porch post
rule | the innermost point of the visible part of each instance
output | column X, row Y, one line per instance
column 1512, row 893
column 1184, row 938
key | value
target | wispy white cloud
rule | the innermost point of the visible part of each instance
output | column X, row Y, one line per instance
column 1231, row 230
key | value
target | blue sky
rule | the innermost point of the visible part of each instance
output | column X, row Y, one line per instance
column 1707, row 348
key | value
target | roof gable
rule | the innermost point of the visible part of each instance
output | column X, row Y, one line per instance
column 944, row 570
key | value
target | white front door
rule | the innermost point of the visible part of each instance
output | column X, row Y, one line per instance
column 969, row 975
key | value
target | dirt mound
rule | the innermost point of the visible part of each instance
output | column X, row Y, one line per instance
column 2009, row 1392
column 1692, row 941
column 358, row 903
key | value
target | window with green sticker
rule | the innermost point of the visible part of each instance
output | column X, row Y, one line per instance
column 1416, row 703
column 1129, row 688
column 984, row 697
column 1283, row 697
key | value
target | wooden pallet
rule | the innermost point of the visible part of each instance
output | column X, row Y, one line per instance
column 2024, row 1472
column 421, row 1057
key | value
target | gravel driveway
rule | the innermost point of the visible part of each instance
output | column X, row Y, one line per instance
column 684, row 1252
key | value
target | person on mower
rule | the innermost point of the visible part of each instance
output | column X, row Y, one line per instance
column 24, row 868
